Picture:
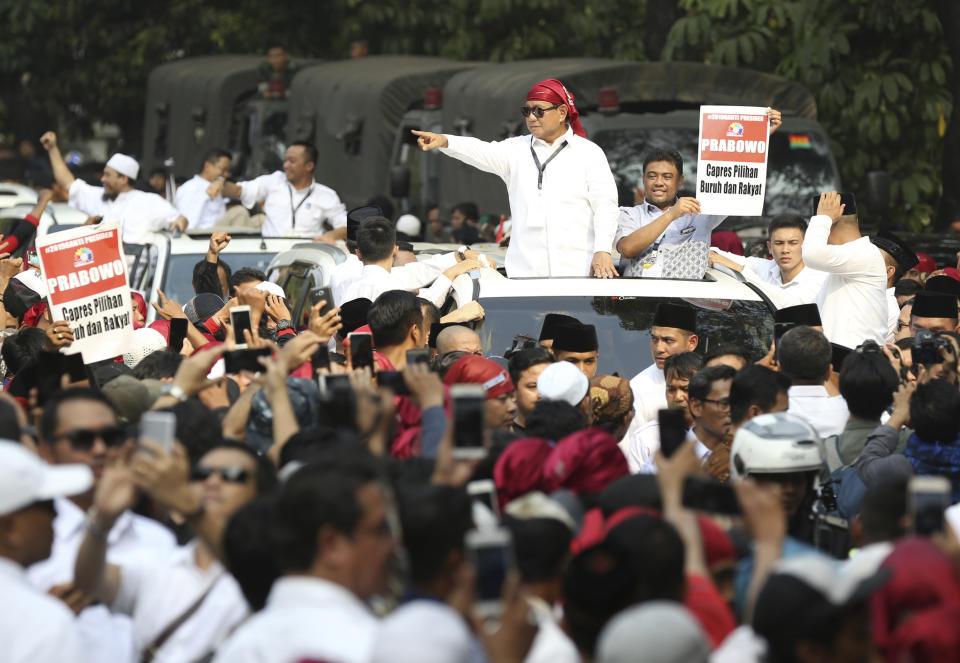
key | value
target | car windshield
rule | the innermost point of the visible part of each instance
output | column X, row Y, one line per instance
column 178, row 279
column 623, row 325
column 798, row 166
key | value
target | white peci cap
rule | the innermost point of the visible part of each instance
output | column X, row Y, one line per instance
column 125, row 165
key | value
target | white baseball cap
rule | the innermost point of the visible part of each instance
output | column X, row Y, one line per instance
column 562, row 381
column 25, row 478
column 125, row 165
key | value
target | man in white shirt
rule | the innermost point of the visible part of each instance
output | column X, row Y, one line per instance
column 785, row 279
column 674, row 331
column 200, row 198
column 139, row 212
column 853, row 302
column 79, row 426
column 349, row 270
column 294, row 203
column 666, row 236
column 188, row 591
column 563, row 198
column 641, row 442
column 898, row 259
column 34, row 627
column 804, row 356
column 377, row 247
column 337, row 530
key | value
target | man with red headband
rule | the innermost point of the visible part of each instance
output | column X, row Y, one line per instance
column 563, row 199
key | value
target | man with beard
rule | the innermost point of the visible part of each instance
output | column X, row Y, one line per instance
column 139, row 212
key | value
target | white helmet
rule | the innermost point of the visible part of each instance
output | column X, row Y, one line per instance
column 777, row 443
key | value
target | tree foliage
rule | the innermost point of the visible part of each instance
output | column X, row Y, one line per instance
column 878, row 68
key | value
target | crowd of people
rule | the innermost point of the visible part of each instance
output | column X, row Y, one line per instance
column 373, row 483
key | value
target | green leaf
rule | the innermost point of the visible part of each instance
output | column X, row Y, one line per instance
column 889, row 87
column 891, row 126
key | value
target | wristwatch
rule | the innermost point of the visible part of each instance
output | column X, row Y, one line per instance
column 284, row 324
column 171, row 389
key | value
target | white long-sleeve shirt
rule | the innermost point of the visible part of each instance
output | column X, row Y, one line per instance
column 139, row 212
column 893, row 314
column 853, row 302
column 305, row 618
column 804, row 288
column 292, row 213
column 557, row 228
column 649, row 388
column 372, row 281
column 34, row 627
column 194, row 203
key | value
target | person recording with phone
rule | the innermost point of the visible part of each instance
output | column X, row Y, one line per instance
column 80, row 425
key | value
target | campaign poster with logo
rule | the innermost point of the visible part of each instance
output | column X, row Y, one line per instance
column 732, row 166
column 86, row 277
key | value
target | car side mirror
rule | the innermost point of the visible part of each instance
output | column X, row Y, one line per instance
column 878, row 191
column 400, row 181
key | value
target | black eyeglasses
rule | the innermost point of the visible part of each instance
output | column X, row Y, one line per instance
column 722, row 404
column 228, row 474
column 82, row 439
column 537, row 111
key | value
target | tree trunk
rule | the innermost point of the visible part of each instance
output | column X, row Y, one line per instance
column 661, row 15
column 949, row 13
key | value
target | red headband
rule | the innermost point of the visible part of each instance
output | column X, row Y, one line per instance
column 553, row 91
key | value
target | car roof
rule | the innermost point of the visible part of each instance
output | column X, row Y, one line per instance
column 16, row 194
column 715, row 285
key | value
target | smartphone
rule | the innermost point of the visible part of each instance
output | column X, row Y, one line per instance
column 320, row 358
column 927, row 498
column 393, row 380
column 361, row 350
column 321, row 294
column 240, row 319
column 338, row 400
column 33, row 258
column 418, row 356
column 178, row 332
column 468, row 406
column 52, row 366
column 710, row 496
column 491, row 554
column 159, row 427
column 244, row 360
column 673, row 429
column 485, row 492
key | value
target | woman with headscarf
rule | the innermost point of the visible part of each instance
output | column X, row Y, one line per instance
column 563, row 198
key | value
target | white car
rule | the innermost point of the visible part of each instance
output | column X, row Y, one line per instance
column 728, row 311
column 166, row 263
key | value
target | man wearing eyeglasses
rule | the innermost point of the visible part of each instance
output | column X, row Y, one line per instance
column 709, row 403
column 185, row 604
column 79, row 425
column 563, row 198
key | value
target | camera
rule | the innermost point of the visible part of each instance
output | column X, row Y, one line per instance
column 927, row 348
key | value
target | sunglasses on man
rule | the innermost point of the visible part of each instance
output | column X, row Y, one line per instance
column 228, row 474
column 537, row 111
column 82, row 439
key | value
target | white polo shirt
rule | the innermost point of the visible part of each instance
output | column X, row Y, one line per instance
column 827, row 414
column 104, row 637
column 157, row 594
column 309, row 212
column 139, row 212
column 34, row 627
column 305, row 618
column 194, row 203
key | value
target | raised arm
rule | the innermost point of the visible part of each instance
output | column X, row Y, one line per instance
column 488, row 157
column 818, row 253
column 60, row 171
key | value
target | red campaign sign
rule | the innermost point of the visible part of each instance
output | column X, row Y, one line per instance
column 733, row 137
column 83, row 266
